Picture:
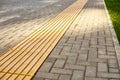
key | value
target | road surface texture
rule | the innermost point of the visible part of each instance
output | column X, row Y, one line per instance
column 19, row 18
column 87, row 51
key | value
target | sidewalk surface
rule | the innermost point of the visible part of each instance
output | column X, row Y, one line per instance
column 14, row 30
column 86, row 51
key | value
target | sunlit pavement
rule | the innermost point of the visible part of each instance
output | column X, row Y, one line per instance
column 88, row 51
column 19, row 18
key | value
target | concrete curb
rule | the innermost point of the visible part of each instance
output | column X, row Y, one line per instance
column 114, row 37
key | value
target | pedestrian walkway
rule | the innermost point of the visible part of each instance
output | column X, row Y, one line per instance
column 87, row 51
column 16, row 29
column 22, row 61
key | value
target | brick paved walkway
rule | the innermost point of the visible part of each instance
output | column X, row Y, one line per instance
column 87, row 51
column 22, row 61
column 13, row 31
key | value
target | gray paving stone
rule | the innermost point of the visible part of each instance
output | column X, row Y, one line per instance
column 102, row 67
column 83, row 57
column 71, row 60
column 50, row 60
column 72, row 54
column 38, row 78
column 64, row 77
column 78, row 75
column 67, row 48
column 59, row 63
column 102, row 51
column 75, row 48
column 106, row 57
column 56, row 51
column 108, row 75
column 86, row 63
column 90, row 71
column 74, row 67
column 112, row 63
column 46, row 67
column 110, row 49
column 114, row 79
column 58, row 56
column 92, row 54
column 89, row 78
column 43, row 75
column 111, row 53
column 61, row 71
column 114, row 70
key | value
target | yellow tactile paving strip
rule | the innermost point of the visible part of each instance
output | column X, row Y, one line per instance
column 22, row 61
